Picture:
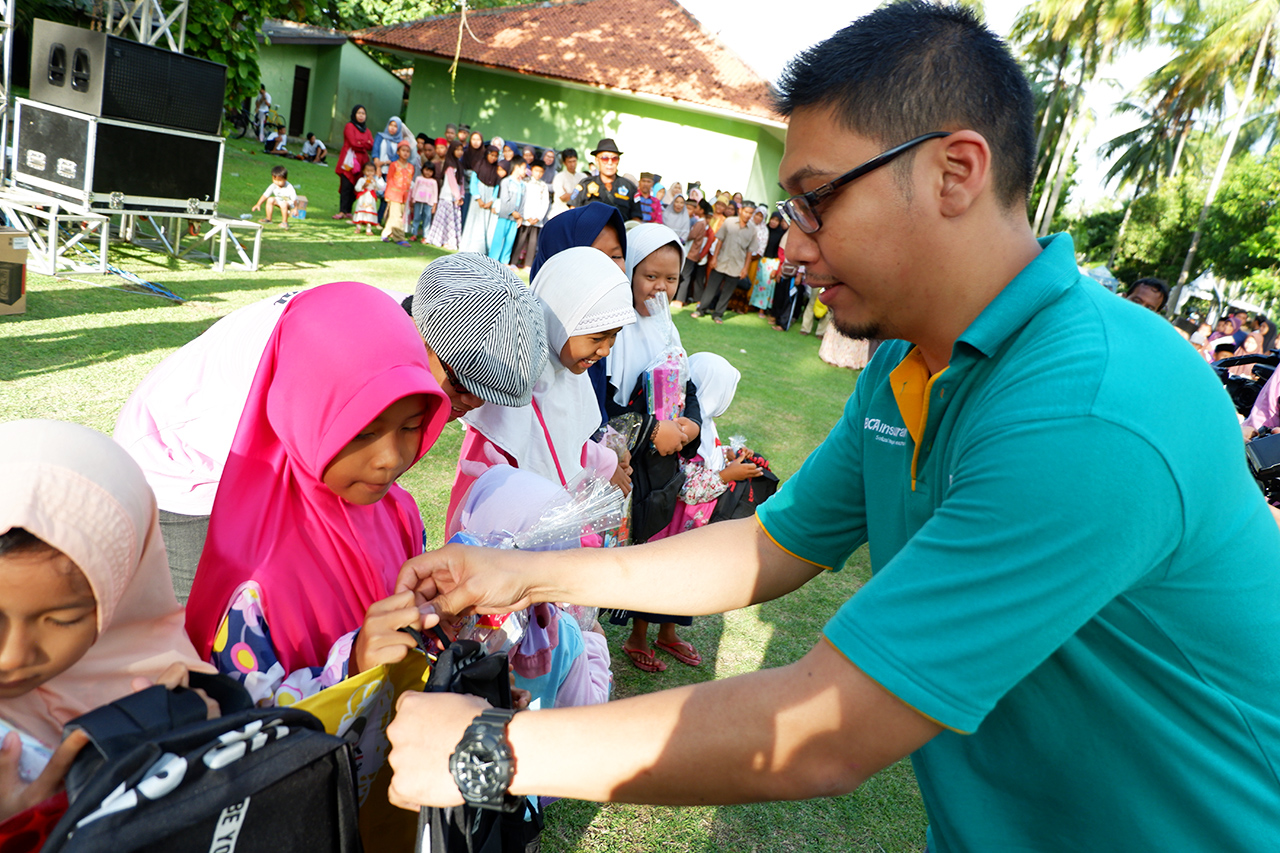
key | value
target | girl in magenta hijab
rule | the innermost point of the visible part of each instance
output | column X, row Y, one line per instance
column 309, row 528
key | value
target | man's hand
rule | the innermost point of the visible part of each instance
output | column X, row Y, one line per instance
column 424, row 733
column 460, row 580
column 15, row 795
column 380, row 640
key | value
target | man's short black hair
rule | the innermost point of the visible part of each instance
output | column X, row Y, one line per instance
column 310, row 136
column 280, row 172
column 1155, row 284
column 913, row 67
column 567, row 153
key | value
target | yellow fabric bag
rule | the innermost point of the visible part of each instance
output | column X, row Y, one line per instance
column 365, row 704
column 819, row 310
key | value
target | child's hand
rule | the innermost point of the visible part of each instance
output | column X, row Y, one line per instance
column 380, row 639
column 690, row 429
column 178, row 675
column 256, row 206
column 622, row 479
column 15, row 796
column 740, row 469
column 668, row 438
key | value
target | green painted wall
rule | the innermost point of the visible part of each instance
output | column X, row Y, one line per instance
column 681, row 145
column 342, row 75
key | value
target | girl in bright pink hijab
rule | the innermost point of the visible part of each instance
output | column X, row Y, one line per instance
column 309, row 528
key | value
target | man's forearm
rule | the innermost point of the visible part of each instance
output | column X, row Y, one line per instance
column 818, row 727
column 719, row 567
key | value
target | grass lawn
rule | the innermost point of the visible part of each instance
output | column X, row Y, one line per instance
column 84, row 344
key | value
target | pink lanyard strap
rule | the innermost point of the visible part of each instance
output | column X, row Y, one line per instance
column 547, row 435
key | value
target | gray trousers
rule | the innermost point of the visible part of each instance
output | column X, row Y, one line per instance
column 184, row 537
column 718, row 285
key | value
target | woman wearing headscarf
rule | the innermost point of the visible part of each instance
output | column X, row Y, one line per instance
column 766, row 277
column 80, row 540
column 600, row 226
column 385, row 147
column 585, row 301
column 357, row 143
column 481, row 221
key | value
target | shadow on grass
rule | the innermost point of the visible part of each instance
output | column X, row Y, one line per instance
column 50, row 352
column 569, row 822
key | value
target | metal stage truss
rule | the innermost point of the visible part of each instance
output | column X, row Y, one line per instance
column 148, row 21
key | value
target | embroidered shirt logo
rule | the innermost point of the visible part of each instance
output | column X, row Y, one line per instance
column 887, row 433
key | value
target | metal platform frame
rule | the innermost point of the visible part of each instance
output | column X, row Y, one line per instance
column 56, row 230
column 164, row 232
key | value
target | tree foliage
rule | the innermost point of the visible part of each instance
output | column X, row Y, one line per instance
column 1156, row 238
column 1242, row 235
column 227, row 31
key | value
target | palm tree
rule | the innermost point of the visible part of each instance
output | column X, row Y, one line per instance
column 1100, row 28
column 1242, row 31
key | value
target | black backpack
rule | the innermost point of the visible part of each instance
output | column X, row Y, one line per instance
column 464, row 667
column 159, row 777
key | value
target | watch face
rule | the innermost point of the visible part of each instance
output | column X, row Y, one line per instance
column 481, row 775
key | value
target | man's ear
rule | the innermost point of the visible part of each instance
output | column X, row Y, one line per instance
column 965, row 161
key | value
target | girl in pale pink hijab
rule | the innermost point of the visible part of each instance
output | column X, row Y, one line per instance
column 85, row 596
column 309, row 528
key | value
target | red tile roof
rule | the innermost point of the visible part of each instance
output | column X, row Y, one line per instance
column 654, row 47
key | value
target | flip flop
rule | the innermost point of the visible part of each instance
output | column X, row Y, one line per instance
column 676, row 650
column 645, row 660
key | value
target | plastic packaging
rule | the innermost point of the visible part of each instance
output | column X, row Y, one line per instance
column 666, row 377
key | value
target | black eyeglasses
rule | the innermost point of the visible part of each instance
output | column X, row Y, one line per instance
column 800, row 209
column 453, row 379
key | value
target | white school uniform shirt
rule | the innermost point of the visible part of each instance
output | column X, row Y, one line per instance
column 564, row 182
column 286, row 192
column 309, row 149
column 537, row 201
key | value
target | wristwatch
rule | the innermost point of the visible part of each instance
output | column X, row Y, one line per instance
column 483, row 764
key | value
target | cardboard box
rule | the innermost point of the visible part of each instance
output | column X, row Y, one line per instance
column 13, row 271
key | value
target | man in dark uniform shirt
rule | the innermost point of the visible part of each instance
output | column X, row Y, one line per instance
column 609, row 187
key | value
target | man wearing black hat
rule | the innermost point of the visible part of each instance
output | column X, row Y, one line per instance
column 609, row 187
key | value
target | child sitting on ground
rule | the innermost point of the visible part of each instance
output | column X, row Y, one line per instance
column 279, row 193
column 309, row 528
column 368, row 191
column 425, row 195
column 83, row 573
column 313, row 150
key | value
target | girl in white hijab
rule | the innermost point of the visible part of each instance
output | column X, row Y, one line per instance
column 83, row 569
column 585, row 300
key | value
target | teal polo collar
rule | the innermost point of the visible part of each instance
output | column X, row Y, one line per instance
column 1041, row 282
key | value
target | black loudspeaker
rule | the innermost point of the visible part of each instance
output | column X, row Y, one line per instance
column 112, row 77
column 12, row 283
column 110, row 165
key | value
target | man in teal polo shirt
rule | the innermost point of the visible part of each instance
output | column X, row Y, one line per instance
column 1050, row 631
